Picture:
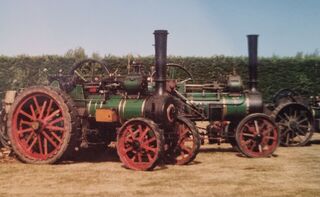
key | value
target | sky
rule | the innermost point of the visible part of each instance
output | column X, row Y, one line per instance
column 196, row 27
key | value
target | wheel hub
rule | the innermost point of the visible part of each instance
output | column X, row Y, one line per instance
column 37, row 126
column 293, row 125
column 258, row 138
column 136, row 145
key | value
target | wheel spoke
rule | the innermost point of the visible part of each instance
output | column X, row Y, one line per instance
column 36, row 103
column 49, row 107
column 32, row 144
column 256, row 126
column 131, row 132
column 45, row 144
column 56, row 121
column 56, row 136
column 148, row 148
column 148, row 141
column 27, row 115
column 303, row 120
column 29, row 138
column 251, row 129
column 23, row 122
column 42, row 109
column 55, row 128
column 269, row 137
column 40, row 144
column 52, row 115
column 33, row 113
column 139, row 156
column 287, row 116
column 248, row 134
column 149, row 157
column 20, row 132
column 130, row 148
column 49, row 139
column 144, row 133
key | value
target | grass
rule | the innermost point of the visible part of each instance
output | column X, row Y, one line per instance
column 217, row 171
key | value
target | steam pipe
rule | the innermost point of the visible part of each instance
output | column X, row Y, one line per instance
column 253, row 61
column 161, row 60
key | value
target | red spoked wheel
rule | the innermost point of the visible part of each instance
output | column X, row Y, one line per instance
column 140, row 144
column 188, row 142
column 42, row 125
column 257, row 136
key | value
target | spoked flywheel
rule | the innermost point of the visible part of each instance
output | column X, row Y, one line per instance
column 186, row 147
column 140, row 144
column 257, row 136
column 295, row 122
column 42, row 125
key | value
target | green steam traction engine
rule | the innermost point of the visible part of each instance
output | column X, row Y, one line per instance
column 235, row 115
column 45, row 124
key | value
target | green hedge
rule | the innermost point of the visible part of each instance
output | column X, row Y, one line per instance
column 273, row 73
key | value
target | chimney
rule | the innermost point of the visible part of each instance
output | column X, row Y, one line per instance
column 161, row 60
column 253, row 61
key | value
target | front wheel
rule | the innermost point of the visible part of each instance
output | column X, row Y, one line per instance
column 257, row 136
column 140, row 144
column 187, row 144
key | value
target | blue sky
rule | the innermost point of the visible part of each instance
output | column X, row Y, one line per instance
column 196, row 27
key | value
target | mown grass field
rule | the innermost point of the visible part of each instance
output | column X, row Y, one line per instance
column 217, row 171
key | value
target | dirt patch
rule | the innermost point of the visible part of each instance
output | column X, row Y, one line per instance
column 217, row 171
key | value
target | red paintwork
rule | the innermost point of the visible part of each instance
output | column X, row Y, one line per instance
column 185, row 143
column 249, row 137
column 38, row 126
column 138, row 146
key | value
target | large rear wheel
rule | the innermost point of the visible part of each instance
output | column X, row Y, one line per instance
column 295, row 122
column 42, row 125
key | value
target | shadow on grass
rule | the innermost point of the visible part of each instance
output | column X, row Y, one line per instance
column 216, row 149
column 314, row 142
column 94, row 155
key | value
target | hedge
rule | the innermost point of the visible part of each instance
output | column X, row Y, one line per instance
column 273, row 73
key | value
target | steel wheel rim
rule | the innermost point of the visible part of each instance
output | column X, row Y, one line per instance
column 38, row 126
column 258, row 137
column 295, row 127
column 138, row 146
column 186, row 143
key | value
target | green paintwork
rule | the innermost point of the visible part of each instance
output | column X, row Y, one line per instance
column 111, row 103
column 232, row 106
column 131, row 108
column 77, row 95
column 132, row 83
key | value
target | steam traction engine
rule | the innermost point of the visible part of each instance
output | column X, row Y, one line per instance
column 296, row 116
column 235, row 115
column 92, row 106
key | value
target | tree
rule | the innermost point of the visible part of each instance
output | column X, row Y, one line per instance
column 77, row 53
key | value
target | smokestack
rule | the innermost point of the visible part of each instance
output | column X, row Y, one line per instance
column 253, row 61
column 161, row 60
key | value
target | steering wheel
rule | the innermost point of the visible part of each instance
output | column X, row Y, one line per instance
column 285, row 94
column 172, row 69
column 172, row 72
column 90, row 71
